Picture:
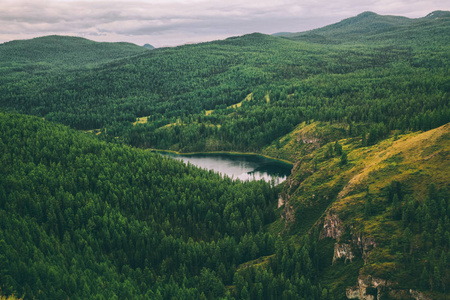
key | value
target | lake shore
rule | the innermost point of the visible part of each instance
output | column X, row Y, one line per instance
column 222, row 152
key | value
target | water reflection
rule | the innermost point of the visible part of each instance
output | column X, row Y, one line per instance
column 243, row 167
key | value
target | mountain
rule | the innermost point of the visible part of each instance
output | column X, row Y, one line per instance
column 369, row 25
column 290, row 82
column 188, row 80
column 64, row 51
column 360, row 108
column 372, row 205
column 438, row 14
column 149, row 47
column 282, row 33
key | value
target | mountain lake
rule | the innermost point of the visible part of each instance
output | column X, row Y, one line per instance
column 238, row 166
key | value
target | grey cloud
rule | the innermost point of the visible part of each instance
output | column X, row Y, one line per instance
column 139, row 21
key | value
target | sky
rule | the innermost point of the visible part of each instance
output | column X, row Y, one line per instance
column 176, row 22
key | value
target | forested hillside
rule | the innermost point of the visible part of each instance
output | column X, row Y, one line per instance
column 82, row 218
column 187, row 94
column 361, row 107
column 62, row 52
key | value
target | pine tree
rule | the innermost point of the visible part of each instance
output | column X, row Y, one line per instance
column 329, row 151
column 437, row 279
column 396, row 208
column 344, row 159
column 337, row 148
column 407, row 239
column 368, row 207
column 424, row 279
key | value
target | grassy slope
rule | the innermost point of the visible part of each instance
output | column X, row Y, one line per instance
column 304, row 139
column 8, row 298
column 415, row 159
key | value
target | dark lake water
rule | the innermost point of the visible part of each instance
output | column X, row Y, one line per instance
column 238, row 166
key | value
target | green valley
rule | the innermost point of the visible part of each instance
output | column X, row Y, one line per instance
column 360, row 107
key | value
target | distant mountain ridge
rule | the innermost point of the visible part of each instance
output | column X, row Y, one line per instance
column 65, row 50
column 437, row 14
column 364, row 25
column 148, row 46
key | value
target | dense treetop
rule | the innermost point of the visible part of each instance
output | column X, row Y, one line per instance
column 81, row 218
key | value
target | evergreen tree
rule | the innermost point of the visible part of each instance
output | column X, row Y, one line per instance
column 344, row 159
column 337, row 148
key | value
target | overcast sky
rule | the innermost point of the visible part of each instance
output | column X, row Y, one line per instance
column 176, row 22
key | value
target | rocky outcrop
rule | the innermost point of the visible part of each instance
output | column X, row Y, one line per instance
column 332, row 227
column 343, row 251
column 308, row 139
column 353, row 293
column 280, row 201
column 359, row 243
column 288, row 213
column 365, row 244
column 368, row 288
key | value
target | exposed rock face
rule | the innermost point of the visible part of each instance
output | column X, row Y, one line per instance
column 308, row 139
column 368, row 288
column 288, row 214
column 343, row 251
column 332, row 227
column 353, row 293
column 366, row 244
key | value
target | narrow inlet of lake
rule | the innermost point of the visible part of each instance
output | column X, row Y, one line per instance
column 238, row 166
